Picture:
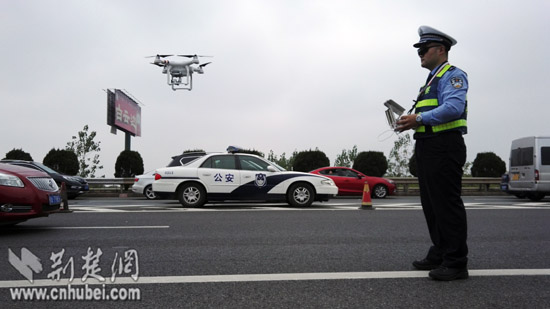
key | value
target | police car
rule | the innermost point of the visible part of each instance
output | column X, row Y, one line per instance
column 240, row 176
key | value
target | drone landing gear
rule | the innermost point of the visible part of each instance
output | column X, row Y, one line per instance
column 178, row 84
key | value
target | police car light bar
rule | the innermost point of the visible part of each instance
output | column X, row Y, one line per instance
column 233, row 149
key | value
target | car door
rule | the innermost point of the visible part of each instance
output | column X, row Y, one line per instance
column 255, row 183
column 220, row 174
column 354, row 182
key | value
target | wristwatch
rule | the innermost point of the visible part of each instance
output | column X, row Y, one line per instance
column 419, row 118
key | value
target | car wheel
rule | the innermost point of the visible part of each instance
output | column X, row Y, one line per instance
column 535, row 197
column 300, row 195
column 520, row 195
column 380, row 191
column 149, row 193
column 192, row 195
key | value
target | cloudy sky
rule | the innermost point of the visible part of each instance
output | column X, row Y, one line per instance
column 286, row 74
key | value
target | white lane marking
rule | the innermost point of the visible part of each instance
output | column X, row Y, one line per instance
column 271, row 206
column 272, row 277
column 97, row 227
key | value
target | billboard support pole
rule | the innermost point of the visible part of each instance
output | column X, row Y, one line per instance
column 128, row 141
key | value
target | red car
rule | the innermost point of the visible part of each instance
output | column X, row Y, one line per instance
column 352, row 182
column 26, row 193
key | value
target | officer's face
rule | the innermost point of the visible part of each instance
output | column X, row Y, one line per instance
column 431, row 55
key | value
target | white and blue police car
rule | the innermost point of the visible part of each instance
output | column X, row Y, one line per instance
column 238, row 177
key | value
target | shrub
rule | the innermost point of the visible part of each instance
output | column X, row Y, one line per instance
column 372, row 163
column 128, row 164
column 488, row 164
column 18, row 154
column 306, row 161
column 64, row 161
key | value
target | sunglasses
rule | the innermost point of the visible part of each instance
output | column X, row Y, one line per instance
column 424, row 49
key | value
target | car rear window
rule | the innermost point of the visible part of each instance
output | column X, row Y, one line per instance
column 184, row 159
column 522, row 156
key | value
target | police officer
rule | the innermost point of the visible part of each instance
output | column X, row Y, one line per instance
column 439, row 121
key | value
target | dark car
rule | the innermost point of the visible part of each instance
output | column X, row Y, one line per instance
column 75, row 185
column 26, row 193
column 504, row 180
column 352, row 182
column 185, row 158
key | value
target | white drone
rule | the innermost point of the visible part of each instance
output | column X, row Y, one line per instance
column 179, row 73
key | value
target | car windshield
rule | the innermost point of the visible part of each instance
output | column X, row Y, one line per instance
column 47, row 169
column 275, row 165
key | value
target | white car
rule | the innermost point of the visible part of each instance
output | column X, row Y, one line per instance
column 144, row 185
column 239, row 176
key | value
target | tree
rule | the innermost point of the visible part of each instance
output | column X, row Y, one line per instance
column 194, row 150
column 488, row 164
column 347, row 157
column 62, row 160
column 398, row 165
column 271, row 156
column 18, row 154
column 83, row 146
column 372, row 163
column 128, row 164
column 251, row 151
column 306, row 161
column 467, row 169
column 282, row 161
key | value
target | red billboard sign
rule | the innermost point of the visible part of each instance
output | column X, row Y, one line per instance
column 123, row 112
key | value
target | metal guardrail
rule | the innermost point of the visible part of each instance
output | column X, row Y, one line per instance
column 110, row 181
column 110, row 185
column 405, row 185
column 470, row 185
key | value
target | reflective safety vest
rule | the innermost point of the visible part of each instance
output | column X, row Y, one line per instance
column 427, row 100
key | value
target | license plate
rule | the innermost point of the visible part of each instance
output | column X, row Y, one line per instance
column 55, row 199
column 515, row 177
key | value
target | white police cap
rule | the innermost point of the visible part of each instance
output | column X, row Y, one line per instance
column 429, row 34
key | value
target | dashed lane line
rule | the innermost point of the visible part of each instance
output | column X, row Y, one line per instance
column 92, row 227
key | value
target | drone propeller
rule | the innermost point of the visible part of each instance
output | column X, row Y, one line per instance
column 191, row 56
column 199, row 69
column 159, row 56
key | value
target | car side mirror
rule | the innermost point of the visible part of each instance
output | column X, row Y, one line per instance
column 272, row 169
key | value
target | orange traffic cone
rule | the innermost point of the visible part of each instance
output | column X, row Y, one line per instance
column 64, row 199
column 367, row 202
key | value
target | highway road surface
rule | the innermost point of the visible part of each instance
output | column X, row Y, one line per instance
column 136, row 253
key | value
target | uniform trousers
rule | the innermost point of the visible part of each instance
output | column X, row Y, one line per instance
column 440, row 159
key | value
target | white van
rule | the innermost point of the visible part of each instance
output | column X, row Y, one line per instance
column 530, row 167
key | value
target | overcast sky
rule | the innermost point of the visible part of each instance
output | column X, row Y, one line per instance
column 286, row 75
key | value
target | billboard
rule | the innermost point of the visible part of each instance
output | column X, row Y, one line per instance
column 123, row 112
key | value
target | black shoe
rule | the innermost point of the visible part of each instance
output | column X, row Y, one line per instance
column 426, row 264
column 448, row 274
